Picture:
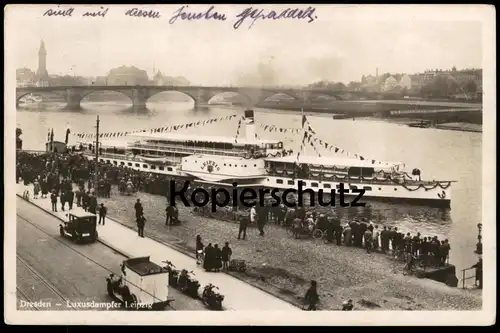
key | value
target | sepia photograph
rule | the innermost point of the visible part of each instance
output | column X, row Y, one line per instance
column 175, row 162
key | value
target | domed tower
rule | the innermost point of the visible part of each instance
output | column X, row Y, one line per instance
column 42, row 62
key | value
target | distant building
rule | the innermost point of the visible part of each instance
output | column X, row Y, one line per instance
column 405, row 82
column 390, row 83
column 43, row 83
column 369, row 83
column 466, row 75
column 161, row 80
column 100, row 81
column 417, row 81
column 127, row 76
column 42, row 73
column 25, row 77
column 66, row 80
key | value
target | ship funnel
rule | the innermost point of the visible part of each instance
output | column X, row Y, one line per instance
column 250, row 125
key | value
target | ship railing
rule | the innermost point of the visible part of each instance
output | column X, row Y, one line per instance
column 194, row 150
column 466, row 276
column 365, row 180
column 184, row 149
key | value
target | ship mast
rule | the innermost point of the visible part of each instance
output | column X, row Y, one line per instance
column 96, row 176
column 303, row 146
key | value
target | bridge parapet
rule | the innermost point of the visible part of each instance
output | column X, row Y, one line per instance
column 201, row 95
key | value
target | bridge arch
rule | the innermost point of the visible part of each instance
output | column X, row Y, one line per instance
column 323, row 96
column 91, row 92
column 271, row 95
column 22, row 94
column 247, row 99
column 195, row 100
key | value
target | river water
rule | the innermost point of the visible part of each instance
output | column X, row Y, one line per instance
column 439, row 154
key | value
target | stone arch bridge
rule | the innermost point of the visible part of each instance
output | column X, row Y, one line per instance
column 139, row 95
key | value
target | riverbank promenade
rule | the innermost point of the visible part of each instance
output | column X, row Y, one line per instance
column 238, row 295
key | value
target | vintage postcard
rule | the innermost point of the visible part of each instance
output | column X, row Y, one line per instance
column 176, row 162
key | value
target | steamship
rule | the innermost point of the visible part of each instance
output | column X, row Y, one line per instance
column 252, row 162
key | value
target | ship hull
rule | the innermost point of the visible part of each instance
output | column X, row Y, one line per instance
column 395, row 193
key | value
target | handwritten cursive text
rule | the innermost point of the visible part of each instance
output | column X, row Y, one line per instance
column 142, row 13
column 59, row 12
column 255, row 14
column 209, row 14
column 100, row 13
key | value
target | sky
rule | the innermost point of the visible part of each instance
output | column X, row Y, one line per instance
column 341, row 44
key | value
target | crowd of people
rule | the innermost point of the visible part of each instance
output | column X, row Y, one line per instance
column 54, row 173
column 358, row 233
column 213, row 258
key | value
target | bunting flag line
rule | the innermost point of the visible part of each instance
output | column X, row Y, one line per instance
column 238, row 130
column 337, row 149
column 301, row 147
column 272, row 128
column 156, row 130
column 314, row 140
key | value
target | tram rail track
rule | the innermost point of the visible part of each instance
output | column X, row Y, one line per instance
column 46, row 283
column 36, row 274
column 24, row 297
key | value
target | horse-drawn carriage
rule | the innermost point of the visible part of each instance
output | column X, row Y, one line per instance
column 306, row 230
column 126, row 187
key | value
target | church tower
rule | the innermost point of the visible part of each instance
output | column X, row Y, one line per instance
column 42, row 62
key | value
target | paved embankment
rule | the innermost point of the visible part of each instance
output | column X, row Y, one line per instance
column 54, row 270
column 238, row 294
column 284, row 266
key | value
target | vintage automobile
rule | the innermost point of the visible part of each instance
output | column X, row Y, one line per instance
column 142, row 285
column 80, row 227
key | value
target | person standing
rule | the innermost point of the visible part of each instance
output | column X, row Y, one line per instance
column 78, row 197
column 70, row 198
column 85, row 201
column 445, row 251
column 141, row 222
column 107, row 188
column 138, row 209
column 347, row 235
column 53, row 200
column 93, row 204
column 376, row 235
column 479, row 273
column 209, row 258
column 102, row 214
column 199, row 250
column 260, row 218
column 217, row 258
column 226, row 256
column 368, row 240
column 62, row 198
column 36, row 189
column 311, row 296
column 384, row 240
column 169, row 211
column 243, row 227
